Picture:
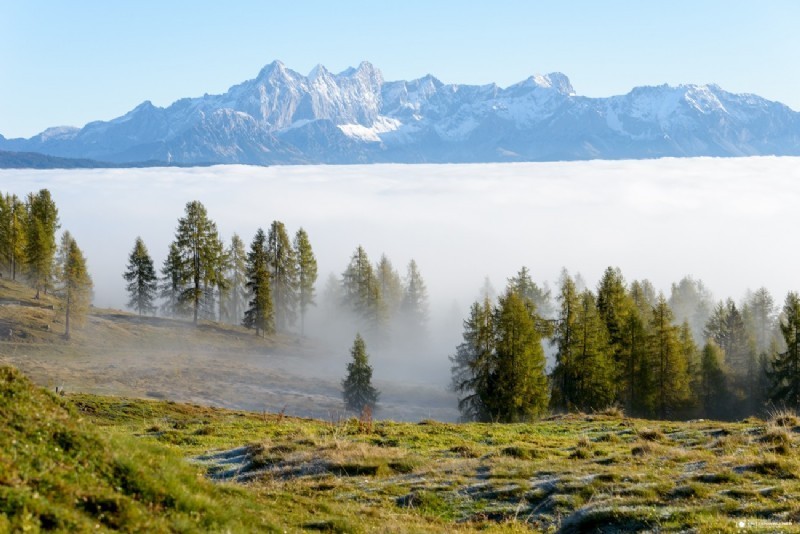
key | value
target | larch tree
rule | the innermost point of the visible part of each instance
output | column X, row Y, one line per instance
column 521, row 387
column 668, row 362
column 142, row 279
column 357, row 389
column 614, row 304
column 786, row 365
column 390, row 284
column 473, row 365
column 283, row 275
column 40, row 245
column 200, row 250
column 12, row 234
column 259, row 314
column 565, row 339
column 536, row 299
column 306, row 275
column 74, row 286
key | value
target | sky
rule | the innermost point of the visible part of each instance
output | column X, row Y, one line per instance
column 69, row 63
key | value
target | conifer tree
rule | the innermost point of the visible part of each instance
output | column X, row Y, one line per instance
column 12, row 234
column 235, row 295
column 690, row 301
column 361, row 291
column 583, row 371
column 668, row 362
column 414, row 307
column 171, row 283
column 142, row 280
column 614, row 305
column 391, row 287
column 786, row 365
column 74, row 285
column 357, row 388
column 40, row 243
column 521, row 387
column 200, row 251
column 565, row 340
column 713, row 389
column 283, row 275
column 637, row 382
column 306, row 275
column 259, row 314
column 473, row 365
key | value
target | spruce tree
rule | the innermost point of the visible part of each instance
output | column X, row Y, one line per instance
column 414, row 307
column 361, row 291
column 171, row 283
column 473, row 365
column 235, row 295
column 74, row 286
column 259, row 314
column 40, row 244
column 283, row 275
column 786, row 365
column 306, row 275
column 713, row 388
column 357, row 388
column 142, row 280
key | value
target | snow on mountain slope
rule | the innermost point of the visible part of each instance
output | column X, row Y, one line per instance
column 282, row 116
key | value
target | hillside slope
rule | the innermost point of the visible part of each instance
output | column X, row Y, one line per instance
column 58, row 473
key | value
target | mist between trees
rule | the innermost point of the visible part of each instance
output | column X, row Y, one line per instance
column 528, row 351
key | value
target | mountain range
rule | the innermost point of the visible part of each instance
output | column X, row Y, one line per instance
column 283, row 117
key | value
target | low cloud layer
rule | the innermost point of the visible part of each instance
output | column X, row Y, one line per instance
column 729, row 222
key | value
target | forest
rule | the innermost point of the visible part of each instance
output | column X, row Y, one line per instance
column 525, row 353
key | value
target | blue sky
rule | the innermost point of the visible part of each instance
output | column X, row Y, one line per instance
column 67, row 63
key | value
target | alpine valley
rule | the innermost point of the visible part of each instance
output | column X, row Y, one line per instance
column 283, row 117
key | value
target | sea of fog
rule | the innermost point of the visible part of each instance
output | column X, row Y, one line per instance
column 730, row 222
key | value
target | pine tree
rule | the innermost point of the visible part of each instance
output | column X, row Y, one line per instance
column 521, row 387
column 235, row 296
column 259, row 314
column 306, row 275
column 12, row 234
column 40, row 244
column 786, row 365
column 473, row 365
column 200, row 251
column 358, row 391
column 74, row 285
column 142, row 280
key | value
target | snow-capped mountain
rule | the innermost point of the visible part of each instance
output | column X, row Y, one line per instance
column 355, row 116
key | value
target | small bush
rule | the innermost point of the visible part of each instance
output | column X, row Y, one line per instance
column 651, row 434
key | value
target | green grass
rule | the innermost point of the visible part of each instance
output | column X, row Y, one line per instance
column 574, row 473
